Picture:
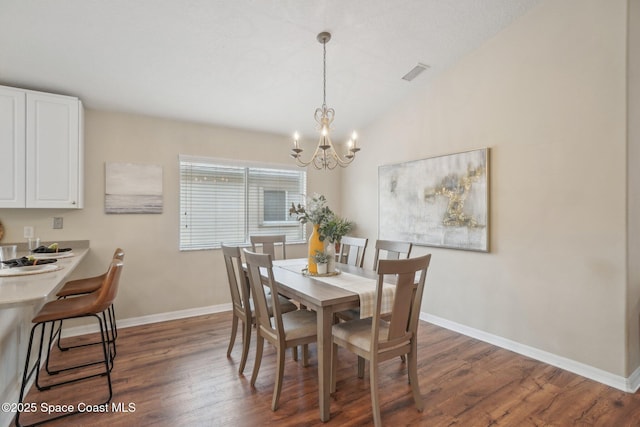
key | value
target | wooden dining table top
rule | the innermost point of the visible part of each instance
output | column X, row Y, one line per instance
column 312, row 289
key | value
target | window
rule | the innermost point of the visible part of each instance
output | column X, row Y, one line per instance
column 275, row 205
column 223, row 202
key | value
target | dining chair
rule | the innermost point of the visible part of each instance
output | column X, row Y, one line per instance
column 269, row 245
column 243, row 307
column 352, row 250
column 393, row 249
column 94, row 304
column 377, row 340
column 85, row 286
column 286, row 330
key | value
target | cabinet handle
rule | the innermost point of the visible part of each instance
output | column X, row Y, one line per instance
column 73, row 203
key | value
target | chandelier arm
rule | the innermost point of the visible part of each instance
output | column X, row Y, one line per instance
column 316, row 155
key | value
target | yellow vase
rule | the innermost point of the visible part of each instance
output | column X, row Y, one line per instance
column 314, row 245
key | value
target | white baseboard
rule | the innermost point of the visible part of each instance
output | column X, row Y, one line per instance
column 633, row 382
column 152, row 318
column 630, row 384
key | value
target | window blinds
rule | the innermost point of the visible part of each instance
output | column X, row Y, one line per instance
column 223, row 203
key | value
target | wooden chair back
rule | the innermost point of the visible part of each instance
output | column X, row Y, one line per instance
column 352, row 250
column 109, row 288
column 403, row 322
column 257, row 266
column 394, row 250
column 269, row 244
column 237, row 280
column 118, row 254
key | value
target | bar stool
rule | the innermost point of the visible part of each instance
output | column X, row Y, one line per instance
column 82, row 287
column 89, row 305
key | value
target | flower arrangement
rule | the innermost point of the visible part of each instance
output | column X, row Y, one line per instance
column 331, row 226
column 316, row 211
column 327, row 226
column 334, row 228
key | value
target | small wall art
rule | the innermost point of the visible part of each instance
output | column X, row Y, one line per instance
column 440, row 201
column 133, row 188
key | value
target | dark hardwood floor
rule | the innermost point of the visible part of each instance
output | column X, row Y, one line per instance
column 177, row 374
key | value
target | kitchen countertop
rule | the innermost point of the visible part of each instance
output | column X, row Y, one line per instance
column 33, row 288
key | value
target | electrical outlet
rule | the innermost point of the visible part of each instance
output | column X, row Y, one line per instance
column 28, row 232
column 57, row 222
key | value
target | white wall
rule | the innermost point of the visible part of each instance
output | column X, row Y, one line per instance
column 547, row 95
column 157, row 277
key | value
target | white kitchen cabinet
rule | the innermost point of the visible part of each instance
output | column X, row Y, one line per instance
column 12, row 148
column 45, row 134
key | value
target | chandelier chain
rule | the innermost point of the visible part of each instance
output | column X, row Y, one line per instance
column 324, row 74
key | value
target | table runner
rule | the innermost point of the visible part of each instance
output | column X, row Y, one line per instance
column 364, row 287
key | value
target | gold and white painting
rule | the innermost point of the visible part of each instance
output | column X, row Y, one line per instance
column 133, row 188
column 440, row 201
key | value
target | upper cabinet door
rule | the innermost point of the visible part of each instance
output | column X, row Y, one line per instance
column 12, row 148
column 53, row 150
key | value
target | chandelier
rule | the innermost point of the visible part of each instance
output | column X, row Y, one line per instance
column 325, row 156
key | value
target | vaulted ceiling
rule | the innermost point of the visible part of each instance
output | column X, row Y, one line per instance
column 243, row 63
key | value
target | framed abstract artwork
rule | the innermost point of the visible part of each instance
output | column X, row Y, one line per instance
column 439, row 201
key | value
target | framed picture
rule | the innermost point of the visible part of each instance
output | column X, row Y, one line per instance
column 440, row 201
column 132, row 188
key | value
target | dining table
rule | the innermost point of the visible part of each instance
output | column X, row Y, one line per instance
column 326, row 296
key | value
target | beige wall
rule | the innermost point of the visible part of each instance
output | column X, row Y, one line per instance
column 547, row 95
column 633, row 161
column 157, row 278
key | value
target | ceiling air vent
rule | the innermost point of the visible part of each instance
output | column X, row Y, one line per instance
column 415, row 72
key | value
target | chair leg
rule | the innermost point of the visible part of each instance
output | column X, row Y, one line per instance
column 246, row 341
column 413, row 377
column 104, row 336
column 114, row 331
column 294, row 351
column 334, row 367
column 39, row 359
column 51, row 338
column 26, row 374
column 234, row 331
column 256, row 364
column 112, row 308
column 360, row 367
column 58, row 336
column 110, row 339
column 277, row 388
column 111, row 313
column 375, row 401
column 305, row 355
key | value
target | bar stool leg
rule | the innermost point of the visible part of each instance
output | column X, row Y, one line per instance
column 104, row 335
